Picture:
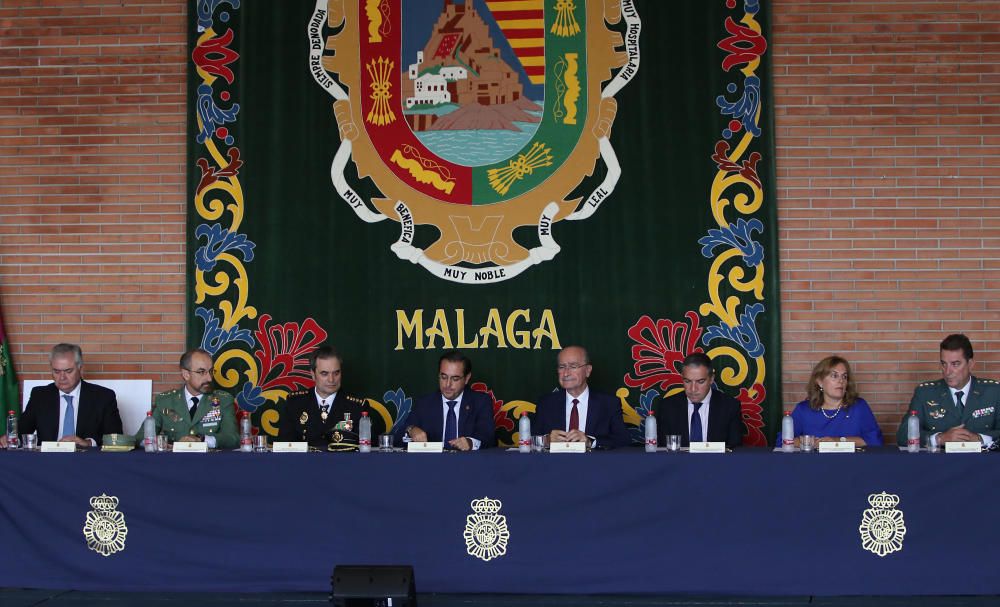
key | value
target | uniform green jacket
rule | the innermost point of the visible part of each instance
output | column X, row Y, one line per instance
column 938, row 412
column 214, row 417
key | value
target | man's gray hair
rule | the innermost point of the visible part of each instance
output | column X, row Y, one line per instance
column 65, row 349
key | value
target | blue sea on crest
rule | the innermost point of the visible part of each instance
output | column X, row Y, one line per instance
column 478, row 148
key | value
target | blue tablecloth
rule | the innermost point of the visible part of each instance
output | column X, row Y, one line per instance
column 750, row 522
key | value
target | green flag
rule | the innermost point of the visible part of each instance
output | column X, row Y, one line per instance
column 8, row 380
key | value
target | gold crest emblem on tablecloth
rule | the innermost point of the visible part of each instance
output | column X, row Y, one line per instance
column 105, row 528
column 486, row 532
column 882, row 527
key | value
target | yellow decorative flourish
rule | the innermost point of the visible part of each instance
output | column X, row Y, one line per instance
column 214, row 209
column 381, row 410
column 421, row 174
column 572, row 88
column 231, row 315
column 380, row 71
column 228, row 378
column 269, row 421
column 747, row 199
column 723, row 181
column 628, row 411
column 374, row 20
column 565, row 24
column 537, row 157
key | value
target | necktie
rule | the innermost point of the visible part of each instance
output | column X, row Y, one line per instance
column 69, row 420
column 194, row 406
column 574, row 416
column 696, row 433
column 451, row 424
column 958, row 399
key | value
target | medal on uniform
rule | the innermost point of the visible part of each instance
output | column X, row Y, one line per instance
column 322, row 415
column 303, row 418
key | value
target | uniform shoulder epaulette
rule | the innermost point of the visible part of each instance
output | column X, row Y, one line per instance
column 928, row 383
column 170, row 392
column 298, row 393
column 988, row 381
column 355, row 399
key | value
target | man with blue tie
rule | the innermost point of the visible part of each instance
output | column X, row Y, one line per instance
column 460, row 418
column 959, row 406
column 700, row 413
column 575, row 413
column 70, row 409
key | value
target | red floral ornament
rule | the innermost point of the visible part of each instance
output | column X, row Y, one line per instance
column 659, row 350
column 284, row 353
column 750, row 407
column 500, row 418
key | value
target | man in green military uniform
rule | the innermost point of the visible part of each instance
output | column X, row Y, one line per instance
column 196, row 412
column 959, row 407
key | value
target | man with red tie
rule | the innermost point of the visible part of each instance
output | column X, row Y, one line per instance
column 70, row 409
column 575, row 413
column 700, row 413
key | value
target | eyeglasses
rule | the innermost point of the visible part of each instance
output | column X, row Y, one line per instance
column 570, row 366
column 201, row 371
column 451, row 378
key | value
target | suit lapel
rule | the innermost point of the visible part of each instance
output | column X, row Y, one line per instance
column 465, row 416
column 593, row 405
column 714, row 415
column 437, row 418
column 50, row 416
column 85, row 410
column 681, row 419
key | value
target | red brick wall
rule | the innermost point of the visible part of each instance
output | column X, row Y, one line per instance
column 888, row 137
column 92, row 154
column 888, row 125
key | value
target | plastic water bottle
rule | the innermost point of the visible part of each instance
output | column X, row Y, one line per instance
column 12, row 437
column 788, row 433
column 913, row 433
column 524, row 434
column 650, row 429
column 149, row 433
column 365, row 433
column 246, row 438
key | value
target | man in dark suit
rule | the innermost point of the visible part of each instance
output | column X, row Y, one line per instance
column 700, row 413
column 70, row 409
column 576, row 413
column 325, row 417
column 461, row 418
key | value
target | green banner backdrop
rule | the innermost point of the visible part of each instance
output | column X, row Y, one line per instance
column 505, row 177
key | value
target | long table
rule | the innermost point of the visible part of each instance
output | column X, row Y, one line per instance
column 749, row 522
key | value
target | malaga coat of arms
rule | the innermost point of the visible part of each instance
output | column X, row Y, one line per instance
column 474, row 118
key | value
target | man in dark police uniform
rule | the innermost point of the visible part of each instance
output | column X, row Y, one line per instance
column 325, row 417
